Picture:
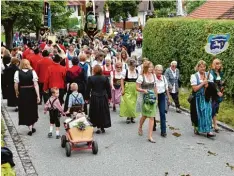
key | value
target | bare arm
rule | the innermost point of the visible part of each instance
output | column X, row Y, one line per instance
column 198, row 87
column 16, row 85
column 122, row 86
column 139, row 89
column 37, row 90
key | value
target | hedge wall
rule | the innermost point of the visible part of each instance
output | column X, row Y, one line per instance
column 183, row 40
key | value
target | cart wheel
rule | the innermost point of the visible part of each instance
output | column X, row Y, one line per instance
column 94, row 147
column 63, row 141
column 68, row 149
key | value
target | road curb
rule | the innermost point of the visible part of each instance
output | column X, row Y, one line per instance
column 25, row 160
column 220, row 124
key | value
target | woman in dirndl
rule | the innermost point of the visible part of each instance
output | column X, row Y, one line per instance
column 146, row 101
column 116, row 84
column 107, row 68
column 129, row 93
column 27, row 91
column 200, row 107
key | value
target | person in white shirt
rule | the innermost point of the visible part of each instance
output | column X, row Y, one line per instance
column 163, row 100
column 173, row 75
column 200, row 104
column 99, row 59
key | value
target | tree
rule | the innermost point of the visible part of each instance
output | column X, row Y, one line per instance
column 33, row 22
column 121, row 10
column 192, row 5
column 11, row 10
column 164, row 8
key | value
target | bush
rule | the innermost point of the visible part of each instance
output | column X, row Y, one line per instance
column 183, row 40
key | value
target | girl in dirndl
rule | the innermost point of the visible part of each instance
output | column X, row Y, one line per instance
column 107, row 68
column 116, row 84
column 129, row 93
column 146, row 101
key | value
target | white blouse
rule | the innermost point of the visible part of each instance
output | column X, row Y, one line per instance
column 162, row 85
column 118, row 75
column 16, row 76
column 130, row 76
column 140, row 79
column 193, row 79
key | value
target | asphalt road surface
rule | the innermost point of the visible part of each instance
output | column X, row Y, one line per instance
column 123, row 153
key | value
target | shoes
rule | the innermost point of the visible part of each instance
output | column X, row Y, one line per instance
column 57, row 136
column 16, row 109
column 98, row 131
column 132, row 120
column 164, row 134
column 216, row 130
column 140, row 132
column 178, row 110
column 114, row 108
column 103, row 130
column 30, row 133
column 210, row 135
column 154, row 129
column 33, row 130
column 196, row 132
column 50, row 134
column 128, row 120
column 151, row 140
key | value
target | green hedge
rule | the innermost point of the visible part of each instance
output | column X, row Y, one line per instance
column 183, row 40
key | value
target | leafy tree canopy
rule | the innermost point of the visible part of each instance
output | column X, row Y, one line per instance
column 192, row 5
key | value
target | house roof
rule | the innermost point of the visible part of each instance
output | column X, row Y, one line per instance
column 146, row 6
column 74, row 3
column 214, row 10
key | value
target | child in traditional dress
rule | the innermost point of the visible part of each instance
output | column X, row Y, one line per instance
column 54, row 107
column 76, row 100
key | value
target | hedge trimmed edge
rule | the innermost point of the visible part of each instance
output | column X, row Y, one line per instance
column 183, row 40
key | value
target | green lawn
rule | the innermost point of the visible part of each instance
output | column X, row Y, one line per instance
column 226, row 110
column 3, row 37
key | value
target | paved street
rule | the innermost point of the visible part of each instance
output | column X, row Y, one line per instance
column 123, row 152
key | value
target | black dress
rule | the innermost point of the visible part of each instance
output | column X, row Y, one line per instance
column 99, row 89
column 9, row 77
column 28, row 110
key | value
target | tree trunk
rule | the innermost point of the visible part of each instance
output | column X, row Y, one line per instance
column 37, row 33
column 124, row 24
column 8, row 27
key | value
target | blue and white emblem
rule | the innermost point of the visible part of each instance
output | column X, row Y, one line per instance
column 217, row 43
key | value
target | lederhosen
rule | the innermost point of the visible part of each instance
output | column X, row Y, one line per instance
column 54, row 114
column 77, row 107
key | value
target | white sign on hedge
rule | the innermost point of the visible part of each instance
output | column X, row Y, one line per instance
column 217, row 43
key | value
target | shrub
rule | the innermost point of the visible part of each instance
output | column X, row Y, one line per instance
column 183, row 40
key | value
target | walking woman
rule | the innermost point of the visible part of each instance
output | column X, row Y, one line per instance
column 70, row 54
column 200, row 108
column 99, row 93
column 107, row 68
column 129, row 93
column 217, row 74
column 116, row 84
column 9, row 75
column 146, row 101
column 162, row 89
column 124, row 58
column 27, row 91
column 75, row 74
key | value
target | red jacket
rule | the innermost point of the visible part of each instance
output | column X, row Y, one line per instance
column 62, row 47
column 34, row 59
column 55, row 77
column 26, row 53
column 42, row 46
column 42, row 67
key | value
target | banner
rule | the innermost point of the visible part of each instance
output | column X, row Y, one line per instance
column 217, row 43
column 91, row 20
column 47, row 15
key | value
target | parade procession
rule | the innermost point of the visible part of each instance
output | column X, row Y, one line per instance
column 117, row 88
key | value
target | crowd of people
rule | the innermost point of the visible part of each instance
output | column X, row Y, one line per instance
column 74, row 73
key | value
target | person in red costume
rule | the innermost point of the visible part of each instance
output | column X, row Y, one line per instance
column 55, row 77
column 41, row 69
column 35, row 58
column 28, row 50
